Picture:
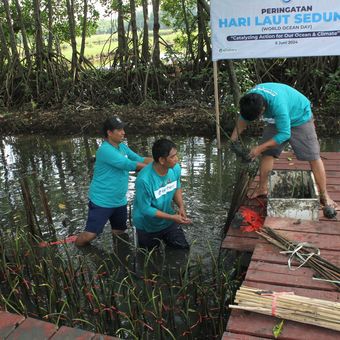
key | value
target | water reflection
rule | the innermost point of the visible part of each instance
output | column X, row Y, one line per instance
column 65, row 167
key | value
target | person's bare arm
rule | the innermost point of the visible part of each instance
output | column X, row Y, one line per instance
column 257, row 150
column 178, row 199
column 240, row 126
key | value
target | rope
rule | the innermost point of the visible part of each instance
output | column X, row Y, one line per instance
column 303, row 257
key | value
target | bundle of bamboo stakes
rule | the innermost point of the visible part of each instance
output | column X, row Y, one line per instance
column 306, row 254
column 245, row 175
column 287, row 305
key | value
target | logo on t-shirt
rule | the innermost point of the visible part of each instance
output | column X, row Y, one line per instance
column 164, row 190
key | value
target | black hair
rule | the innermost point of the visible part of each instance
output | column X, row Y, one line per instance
column 252, row 105
column 112, row 123
column 162, row 148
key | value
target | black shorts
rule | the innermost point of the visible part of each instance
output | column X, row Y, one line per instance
column 172, row 236
column 98, row 216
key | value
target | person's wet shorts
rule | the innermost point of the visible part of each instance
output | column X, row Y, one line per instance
column 172, row 236
column 303, row 140
column 98, row 216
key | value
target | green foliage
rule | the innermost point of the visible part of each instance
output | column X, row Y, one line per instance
column 141, row 298
column 277, row 329
column 184, row 72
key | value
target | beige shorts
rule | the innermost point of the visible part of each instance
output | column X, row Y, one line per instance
column 303, row 141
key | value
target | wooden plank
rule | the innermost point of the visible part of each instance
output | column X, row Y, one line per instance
column 8, row 323
column 268, row 268
column 262, row 326
column 68, row 333
column 281, row 275
column 239, row 243
column 104, row 337
column 33, row 329
column 326, row 227
column 269, row 253
column 237, row 232
column 234, row 336
column 321, row 241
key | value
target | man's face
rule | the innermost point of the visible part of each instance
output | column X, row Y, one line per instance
column 171, row 160
column 116, row 135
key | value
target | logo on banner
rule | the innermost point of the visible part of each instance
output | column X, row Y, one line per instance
column 286, row 1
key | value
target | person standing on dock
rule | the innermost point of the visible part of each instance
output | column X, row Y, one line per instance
column 109, row 185
column 289, row 119
column 157, row 187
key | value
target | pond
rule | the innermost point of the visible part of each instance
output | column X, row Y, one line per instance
column 65, row 166
column 106, row 287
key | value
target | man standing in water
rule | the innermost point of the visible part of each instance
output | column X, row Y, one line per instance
column 157, row 187
column 109, row 185
column 289, row 120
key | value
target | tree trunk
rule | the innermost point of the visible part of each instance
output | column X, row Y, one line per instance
column 145, row 45
column 187, row 30
column 24, row 35
column 38, row 35
column 205, row 14
column 122, row 46
column 134, row 31
column 4, row 49
column 201, row 28
column 206, row 6
column 74, row 62
column 83, row 36
column 156, row 26
column 50, row 25
column 233, row 82
column 14, row 50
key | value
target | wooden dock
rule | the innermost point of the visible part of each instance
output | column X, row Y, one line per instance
column 268, row 268
column 14, row 327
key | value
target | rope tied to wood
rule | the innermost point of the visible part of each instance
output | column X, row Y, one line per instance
column 304, row 258
column 274, row 295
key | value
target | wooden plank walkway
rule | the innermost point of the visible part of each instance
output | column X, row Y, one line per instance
column 268, row 268
column 240, row 241
column 15, row 327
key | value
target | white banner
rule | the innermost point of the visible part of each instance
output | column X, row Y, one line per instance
column 274, row 28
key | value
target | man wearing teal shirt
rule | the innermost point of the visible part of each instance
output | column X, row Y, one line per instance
column 157, row 187
column 109, row 185
column 289, row 119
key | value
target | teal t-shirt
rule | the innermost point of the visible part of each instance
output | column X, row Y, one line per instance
column 109, row 184
column 286, row 107
column 154, row 192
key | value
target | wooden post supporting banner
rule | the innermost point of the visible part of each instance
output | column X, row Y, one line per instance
column 217, row 105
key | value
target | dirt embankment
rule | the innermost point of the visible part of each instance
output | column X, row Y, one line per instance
column 81, row 119
column 192, row 120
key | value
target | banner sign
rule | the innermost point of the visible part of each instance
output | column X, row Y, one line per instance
column 274, row 28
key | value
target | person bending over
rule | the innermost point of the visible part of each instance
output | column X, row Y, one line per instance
column 289, row 119
column 109, row 185
column 157, row 187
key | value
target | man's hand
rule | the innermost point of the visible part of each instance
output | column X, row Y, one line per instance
column 181, row 211
column 240, row 151
column 255, row 152
column 180, row 219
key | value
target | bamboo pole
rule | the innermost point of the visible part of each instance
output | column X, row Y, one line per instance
column 326, row 270
column 289, row 306
column 217, row 105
